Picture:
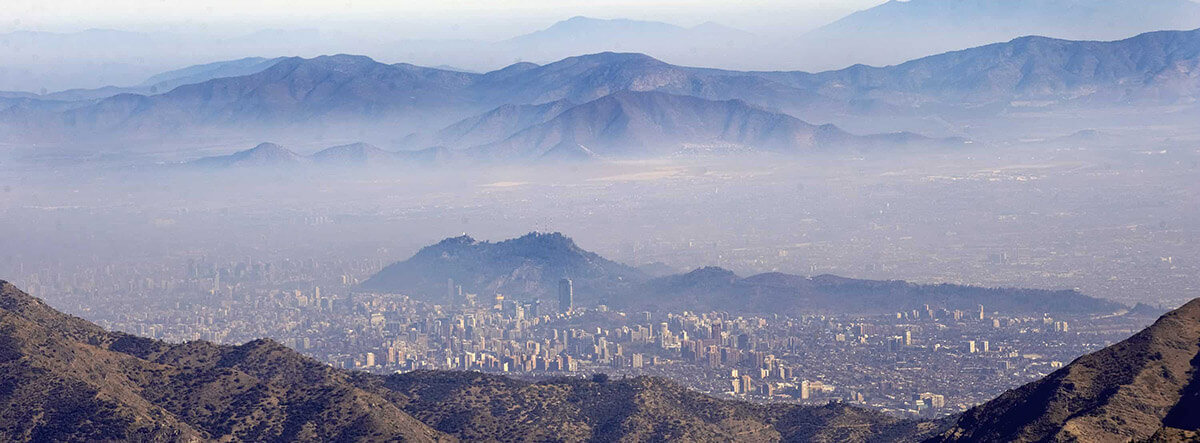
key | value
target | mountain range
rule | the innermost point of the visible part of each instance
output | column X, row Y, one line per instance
column 624, row 124
column 656, row 124
column 1157, row 66
column 411, row 107
column 529, row 268
column 900, row 30
column 65, row 379
column 790, row 38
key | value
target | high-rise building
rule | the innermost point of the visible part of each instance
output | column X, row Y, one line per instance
column 566, row 295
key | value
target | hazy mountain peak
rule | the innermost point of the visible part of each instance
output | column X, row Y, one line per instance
column 341, row 63
column 354, row 153
column 605, row 58
column 517, row 67
column 654, row 123
column 344, row 59
column 266, row 152
column 268, row 148
column 264, row 155
column 198, row 73
column 581, row 26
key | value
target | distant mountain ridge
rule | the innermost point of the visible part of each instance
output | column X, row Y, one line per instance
column 654, row 124
column 1157, row 66
column 624, row 124
column 208, row 71
column 896, row 31
column 888, row 33
column 529, row 267
column 263, row 155
column 499, row 123
column 353, row 155
column 348, row 96
column 166, row 81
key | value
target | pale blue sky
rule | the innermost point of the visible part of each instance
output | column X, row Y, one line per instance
column 481, row 17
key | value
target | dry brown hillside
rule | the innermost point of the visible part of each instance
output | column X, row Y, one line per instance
column 1146, row 386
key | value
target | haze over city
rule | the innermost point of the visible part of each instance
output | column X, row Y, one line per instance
column 762, row 221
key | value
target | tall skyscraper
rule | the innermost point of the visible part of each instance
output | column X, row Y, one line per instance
column 566, row 295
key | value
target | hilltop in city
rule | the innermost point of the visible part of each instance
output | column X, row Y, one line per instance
column 69, row 380
column 529, row 268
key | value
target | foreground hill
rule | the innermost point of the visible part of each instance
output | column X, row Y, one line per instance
column 1146, row 386
column 720, row 289
column 475, row 406
column 527, row 267
column 64, row 379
